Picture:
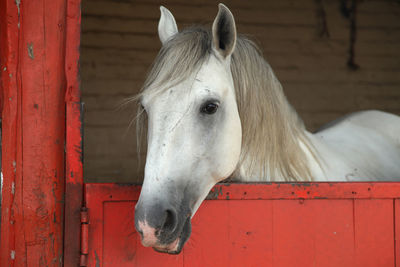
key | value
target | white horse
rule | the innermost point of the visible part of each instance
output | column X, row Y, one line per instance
column 215, row 109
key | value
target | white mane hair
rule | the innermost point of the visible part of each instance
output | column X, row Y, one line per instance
column 271, row 128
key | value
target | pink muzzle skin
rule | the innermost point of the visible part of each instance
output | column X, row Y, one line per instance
column 149, row 239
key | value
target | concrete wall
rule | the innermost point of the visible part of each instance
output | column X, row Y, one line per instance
column 119, row 42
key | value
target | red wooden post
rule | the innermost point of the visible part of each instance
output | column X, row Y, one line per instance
column 9, row 20
column 33, row 82
column 74, row 168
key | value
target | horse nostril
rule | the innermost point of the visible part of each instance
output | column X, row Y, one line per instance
column 170, row 221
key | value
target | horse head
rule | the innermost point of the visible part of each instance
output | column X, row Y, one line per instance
column 194, row 130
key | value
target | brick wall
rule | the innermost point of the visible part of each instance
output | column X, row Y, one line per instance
column 119, row 42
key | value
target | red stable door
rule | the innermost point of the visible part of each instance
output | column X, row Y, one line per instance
column 302, row 225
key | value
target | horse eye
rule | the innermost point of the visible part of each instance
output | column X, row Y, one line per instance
column 209, row 108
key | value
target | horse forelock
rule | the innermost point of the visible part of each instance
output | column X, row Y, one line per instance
column 271, row 129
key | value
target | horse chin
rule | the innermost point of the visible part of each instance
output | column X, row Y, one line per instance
column 176, row 246
column 172, row 248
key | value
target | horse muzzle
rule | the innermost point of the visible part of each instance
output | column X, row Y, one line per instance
column 162, row 227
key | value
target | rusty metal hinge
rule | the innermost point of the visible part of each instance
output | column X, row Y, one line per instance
column 84, row 236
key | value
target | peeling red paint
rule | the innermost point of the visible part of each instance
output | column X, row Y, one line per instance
column 10, row 118
column 214, row 193
column 33, row 63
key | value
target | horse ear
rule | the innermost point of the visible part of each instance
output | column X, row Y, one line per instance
column 166, row 26
column 224, row 32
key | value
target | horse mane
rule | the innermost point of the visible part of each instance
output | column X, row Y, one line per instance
column 272, row 132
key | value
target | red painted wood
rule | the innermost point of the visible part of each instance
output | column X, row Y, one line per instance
column 119, row 216
column 74, row 128
column 33, row 131
column 222, row 236
column 373, row 223
column 216, row 237
column 313, row 233
column 270, row 227
column 10, row 120
column 340, row 190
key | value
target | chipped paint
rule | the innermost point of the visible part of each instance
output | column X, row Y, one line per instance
column 303, row 184
column 12, row 254
column 29, row 217
column 97, row 259
column 30, row 51
column 18, row 3
column 215, row 193
column 14, row 163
